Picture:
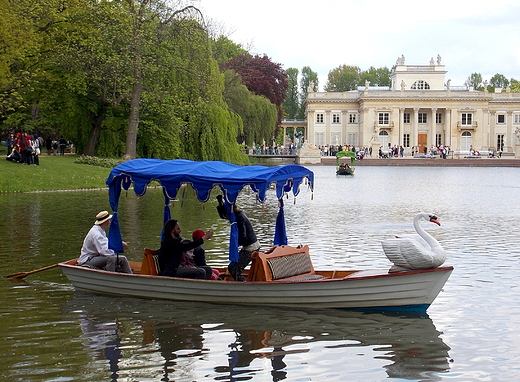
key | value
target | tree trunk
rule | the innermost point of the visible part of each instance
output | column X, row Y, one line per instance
column 96, row 120
column 133, row 119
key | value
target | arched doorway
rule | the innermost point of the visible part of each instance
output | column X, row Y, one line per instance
column 465, row 141
column 383, row 139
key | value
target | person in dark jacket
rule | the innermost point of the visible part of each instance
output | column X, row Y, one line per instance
column 172, row 248
column 246, row 240
column 199, row 256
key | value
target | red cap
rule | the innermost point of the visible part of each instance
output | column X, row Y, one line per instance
column 197, row 234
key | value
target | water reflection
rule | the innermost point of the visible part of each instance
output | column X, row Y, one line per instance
column 202, row 341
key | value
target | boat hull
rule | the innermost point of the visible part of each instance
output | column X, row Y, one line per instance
column 348, row 171
column 381, row 290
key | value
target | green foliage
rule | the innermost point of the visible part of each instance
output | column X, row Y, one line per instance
column 343, row 78
column 291, row 104
column 475, row 80
column 257, row 113
column 515, row 86
column 499, row 81
column 95, row 161
column 262, row 77
column 377, row 77
column 224, row 49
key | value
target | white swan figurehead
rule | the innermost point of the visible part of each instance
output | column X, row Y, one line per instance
column 423, row 252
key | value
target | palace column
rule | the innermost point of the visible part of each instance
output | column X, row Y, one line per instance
column 489, row 128
column 344, row 124
column 447, row 128
column 328, row 140
column 433, row 129
column 492, row 126
column 415, row 127
column 401, row 126
column 509, row 134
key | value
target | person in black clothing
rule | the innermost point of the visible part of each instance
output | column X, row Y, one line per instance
column 63, row 144
column 246, row 239
column 172, row 248
column 199, row 256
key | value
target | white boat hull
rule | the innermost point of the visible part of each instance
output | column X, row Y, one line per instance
column 404, row 291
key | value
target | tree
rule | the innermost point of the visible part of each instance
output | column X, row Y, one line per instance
column 22, row 25
column 475, row 81
column 257, row 113
column 262, row 77
column 224, row 49
column 499, row 81
column 291, row 104
column 515, row 86
column 113, row 74
column 309, row 78
column 379, row 76
column 343, row 78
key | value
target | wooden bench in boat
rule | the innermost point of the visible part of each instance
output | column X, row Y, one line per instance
column 150, row 264
column 283, row 263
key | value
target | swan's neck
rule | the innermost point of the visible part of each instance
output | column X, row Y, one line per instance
column 425, row 235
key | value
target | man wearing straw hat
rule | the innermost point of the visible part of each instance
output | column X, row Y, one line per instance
column 95, row 251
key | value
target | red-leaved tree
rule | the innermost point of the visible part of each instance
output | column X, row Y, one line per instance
column 261, row 77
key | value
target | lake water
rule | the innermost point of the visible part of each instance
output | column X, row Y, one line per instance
column 471, row 331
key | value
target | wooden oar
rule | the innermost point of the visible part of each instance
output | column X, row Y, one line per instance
column 21, row 275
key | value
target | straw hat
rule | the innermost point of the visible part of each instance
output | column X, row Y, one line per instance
column 102, row 217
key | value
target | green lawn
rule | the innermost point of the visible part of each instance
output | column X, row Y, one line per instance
column 53, row 173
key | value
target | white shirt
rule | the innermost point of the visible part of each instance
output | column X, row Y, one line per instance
column 95, row 244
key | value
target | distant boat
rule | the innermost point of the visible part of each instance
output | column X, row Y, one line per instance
column 344, row 168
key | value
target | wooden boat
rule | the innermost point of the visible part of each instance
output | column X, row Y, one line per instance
column 345, row 171
column 344, row 168
column 282, row 276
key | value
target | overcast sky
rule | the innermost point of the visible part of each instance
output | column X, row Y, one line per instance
column 481, row 37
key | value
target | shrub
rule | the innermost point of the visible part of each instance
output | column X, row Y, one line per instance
column 95, row 161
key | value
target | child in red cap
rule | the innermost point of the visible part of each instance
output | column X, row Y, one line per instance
column 199, row 254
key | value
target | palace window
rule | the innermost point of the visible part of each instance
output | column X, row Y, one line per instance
column 438, row 139
column 352, row 118
column 420, row 85
column 384, row 118
column 319, row 139
column 335, row 139
column 438, row 118
column 406, row 118
column 517, row 119
column 406, row 140
column 423, row 118
column 501, row 118
column 319, row 118
column 352, row 139
column 335, row 118
column 467, row 118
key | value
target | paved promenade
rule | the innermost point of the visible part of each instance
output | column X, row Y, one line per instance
column 463, row 162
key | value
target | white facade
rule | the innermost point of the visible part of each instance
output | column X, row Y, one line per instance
column 419, row 109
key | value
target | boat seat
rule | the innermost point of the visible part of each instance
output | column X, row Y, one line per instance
column 283, row 263
column 150, row 265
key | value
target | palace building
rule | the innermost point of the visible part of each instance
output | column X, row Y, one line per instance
column 419, row 109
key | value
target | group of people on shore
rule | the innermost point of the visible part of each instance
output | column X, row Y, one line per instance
column 332, row 150
column 178, row 256
column 26, row 148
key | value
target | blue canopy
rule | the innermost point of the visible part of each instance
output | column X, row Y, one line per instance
column 203, row 177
